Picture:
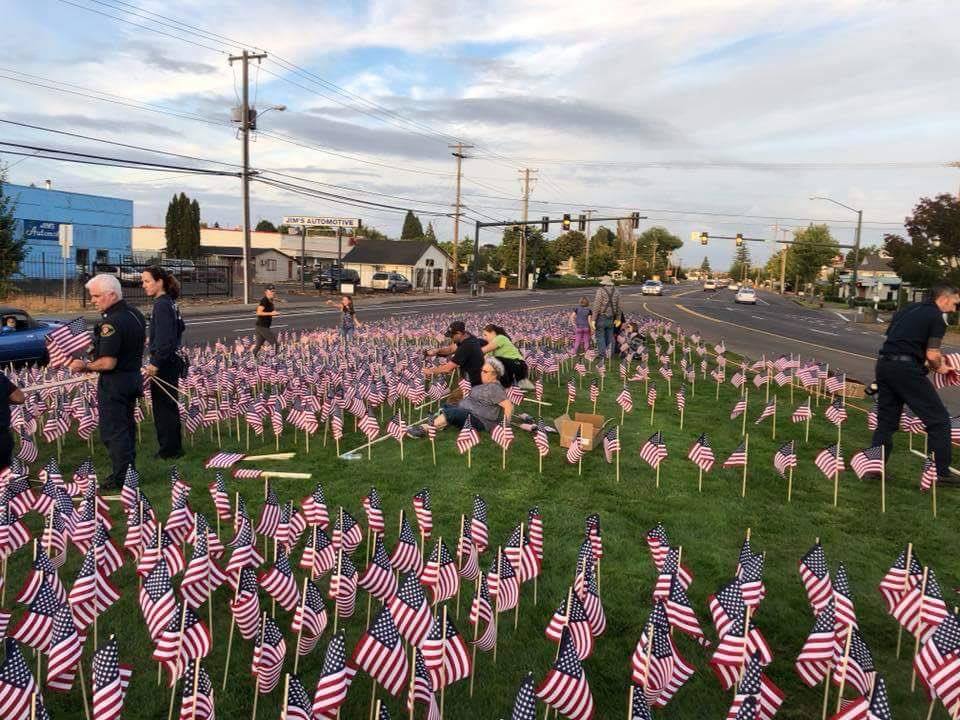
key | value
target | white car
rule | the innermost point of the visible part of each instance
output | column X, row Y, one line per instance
column 652, row 287
column 733, row 285
column 710, row 285
column 747, row 296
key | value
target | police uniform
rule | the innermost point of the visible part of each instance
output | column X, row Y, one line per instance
column 119, row 334
column 262, row 329
column 166, row 331
column 901, row 378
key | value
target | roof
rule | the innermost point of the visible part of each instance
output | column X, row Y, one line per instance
column 875, row 263
column 230, row 251
column 388, row 252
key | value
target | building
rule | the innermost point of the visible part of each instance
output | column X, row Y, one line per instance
column 101, row 229
column 268, row 265
column 876, row 280
column 421, row 261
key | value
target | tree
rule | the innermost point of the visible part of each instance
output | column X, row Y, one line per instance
column 11, row 248
column 654, row 246
column 568, row 245
column 193, row 230
column 412, row 229
column 705, row 265
column 368, row 231
column 933, row 252
column 539, row 253
column 604, row 236
column 813, row 247
column 182, row 227
column 430, row 234
column 266, row 226
column 602, row 261
column 741, row 263
column 464, row 250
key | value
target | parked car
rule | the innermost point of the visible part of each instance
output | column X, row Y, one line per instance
column 330, row 278
column 185, row 270
column 390, row 281
column 733, row 285
column 652, row 287
column 28, row 342
column 747, row 296
column 129, row 276
column 709, row 285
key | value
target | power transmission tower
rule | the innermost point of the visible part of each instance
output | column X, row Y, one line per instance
column 522, row 254
column 460, row 147
column 245, row 125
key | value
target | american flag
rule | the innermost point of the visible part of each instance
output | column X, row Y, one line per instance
column 334, row 681
column 611, row 443
column 897, row 581
column 592, row 533
column 781, row 378
column 922, row 607
column 751, row 579
column 816, row 578
column 157, row 601
column 836, row 412
column 268, row 653
column 535, row 529
column 754, row 684
column 467, row 437
column 830, row 461
column 701, row 454
column 816, row 656
column 594, row 390
column 343, row 585
column 184, row 638
column 224, row 460
column 202, row 575
column 36, row 624
column 671, row 566
column 651, row 395
column 658, row 544
column 423, row 511
column 279, row 582
column 64, row 651
column 575, row 450
column 877, row 709
column 938, row 662
column 422, row 690
column 858, row 670
column 541, row 439
column 478, row 524
column 346, row 532
column 502, row 434
column 868, row 461
column 525, row 702
column 785, row 458
column 315, row 508
column 928, row 475
column 574, row 618
column 28, row 448
column 654, row 450
column 571, row 390
column 245, row 553
column 310, row 618
column 503, row 584
column 369, row 427
column 835, row 384
column 92, row 593
column 65, row 340
column 396, row 428
column 318, row 557
column 378, row 579
column 406, row 554
column 410, row 609
column 760, row 379
column 373, row 507
column 872, row 416
column 566, row 688
column 199, row 705
column 380, row 653
column 218, row 493
column 737, row 379
column 666, row 372
column 299, row 705
column 802, row 413
column 625, row 400
column 445, row 652
column 481, row 610
column 666, row 671
column 680, row 612
column 768, row 410
column 440, row 573
column 110, row 681
column 738, row 458
column 589, row 593
column 269, row 515
column 738, row 409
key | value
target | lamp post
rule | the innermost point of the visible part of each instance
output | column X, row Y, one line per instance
column 856, row 239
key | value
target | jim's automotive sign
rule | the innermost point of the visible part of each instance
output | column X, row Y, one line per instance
column 41, row 230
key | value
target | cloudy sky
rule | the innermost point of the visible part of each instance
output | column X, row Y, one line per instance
column 723, row 116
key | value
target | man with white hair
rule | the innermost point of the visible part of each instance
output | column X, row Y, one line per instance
column 118, row 340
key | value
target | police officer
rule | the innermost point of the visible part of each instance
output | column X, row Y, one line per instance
column 117, row 354
column 265, row 315
column 912, row 346
column 166, row 331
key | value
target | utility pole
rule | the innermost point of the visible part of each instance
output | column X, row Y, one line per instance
column 245, row 125
column 586, row 255
column 460, row 147
column 783, row 255
column 522, row 254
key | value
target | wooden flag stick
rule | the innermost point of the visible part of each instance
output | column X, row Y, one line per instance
column 233, row 622
column 746, row 458
column 268, row 456
column 173, row 687
column 336, row 605
column 843, row 669
column 883, row 482
column 196, row 682
column 826, row 694
column 746, row 401
column 296, row 652
column 916, row 639
column 618, row 474
column 463, row 520
column 933, row 495
column 476, row 632
column 658, row 473
column 699, row 479
column 256, row 685
column 773, row 432
column 906, row 586
column 789, row 483
column 443, row 660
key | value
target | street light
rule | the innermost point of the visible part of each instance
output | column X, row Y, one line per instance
column 856, row 239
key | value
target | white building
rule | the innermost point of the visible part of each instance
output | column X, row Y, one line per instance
column 876, row 280
column 422, row 262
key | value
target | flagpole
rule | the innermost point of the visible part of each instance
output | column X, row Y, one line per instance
column 516, row 612
column 460, row 559
column 296, row 652
column 746, row 458
column 906, row 587
column 233, row 620
column 883, row 483
column 476, row 629
column 773, row 432
column 746, row 407
column 789, row 483
column 196, row 682
column 496, row 605
column 618, row 457
column 173, row 685
column 413, row 678
column 845, row 660
column 916, row 639
column 336, row 598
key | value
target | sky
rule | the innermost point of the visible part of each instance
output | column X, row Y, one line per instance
column 722, row 116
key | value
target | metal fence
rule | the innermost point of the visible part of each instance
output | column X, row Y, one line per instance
column 53, row 277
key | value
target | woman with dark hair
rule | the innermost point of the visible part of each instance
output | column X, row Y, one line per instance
column 166, row 331
column 348, row 318
column 503, row 349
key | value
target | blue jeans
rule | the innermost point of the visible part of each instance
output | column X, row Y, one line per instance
column 346, row 335
column 457, row 416
column 604, row 335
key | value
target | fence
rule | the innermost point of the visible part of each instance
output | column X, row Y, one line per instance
column 53, row 277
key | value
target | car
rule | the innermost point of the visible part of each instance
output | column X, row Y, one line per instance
column 652, row 287
column 129, row 276
column 332, row 277
column 28, row 342
column 733, row 285
column 709, row 285
column 185, row 270
column 746, row 296
column 390, row 281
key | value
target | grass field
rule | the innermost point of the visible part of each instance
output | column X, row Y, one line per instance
column 709, row 525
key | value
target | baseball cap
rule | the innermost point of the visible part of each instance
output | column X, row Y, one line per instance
column 271, row 286
column 457, row 326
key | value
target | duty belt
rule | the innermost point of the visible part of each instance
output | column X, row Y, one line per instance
column 899, row 358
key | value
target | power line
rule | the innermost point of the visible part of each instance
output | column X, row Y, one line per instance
column 127, row 162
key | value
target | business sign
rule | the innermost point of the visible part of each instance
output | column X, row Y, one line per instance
column 314, row 221
column 41, row 231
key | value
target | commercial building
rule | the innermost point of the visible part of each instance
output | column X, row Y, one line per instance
column 421, row 261
column 100, row 229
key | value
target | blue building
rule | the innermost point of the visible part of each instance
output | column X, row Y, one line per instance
column 101, row 229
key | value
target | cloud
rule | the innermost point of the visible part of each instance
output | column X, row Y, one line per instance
column 160, row 58
column 101, row 125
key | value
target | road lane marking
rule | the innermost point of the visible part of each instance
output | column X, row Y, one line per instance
column 841, row 316
column 822, row 332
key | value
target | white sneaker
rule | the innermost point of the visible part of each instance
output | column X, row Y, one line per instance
column 525, row 384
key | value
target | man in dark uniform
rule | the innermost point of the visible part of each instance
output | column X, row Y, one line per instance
column 118, row 340
column 912, row 345
column 265, row 315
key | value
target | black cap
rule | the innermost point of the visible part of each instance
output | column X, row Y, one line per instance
column 271, row 286
column 456, row 326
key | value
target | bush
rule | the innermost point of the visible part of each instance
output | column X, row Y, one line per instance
column 887, row 305
column 832, row 298
column 569, row 281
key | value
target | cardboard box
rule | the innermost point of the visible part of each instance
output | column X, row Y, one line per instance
column 590, row 428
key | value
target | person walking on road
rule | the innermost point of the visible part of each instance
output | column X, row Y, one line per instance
column 265, row 315
column 606, row 311
column 580, row 317
column 166, row 365
column 911, row 348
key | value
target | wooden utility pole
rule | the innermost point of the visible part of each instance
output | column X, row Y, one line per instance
column 522, row 254
column 246, row 124
column 586, row 254
column 458, row 154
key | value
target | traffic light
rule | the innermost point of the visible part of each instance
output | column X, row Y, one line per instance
column 739, row 239
column 704, row 237
column 545, row 223
column 635, row 220
column 566, row 222
column 582, row 223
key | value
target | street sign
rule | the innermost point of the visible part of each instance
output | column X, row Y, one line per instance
column 65, row 232
column 321, row 221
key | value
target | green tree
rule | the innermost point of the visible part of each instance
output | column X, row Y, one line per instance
column 604, row 236
column 813, row 247
column 11, row 248
column 932, row 254
column 654, row 246
column 741, row 263
column 705, row 265
column 412, row 229
column 368, row 231
column 603, row 259
column 430, row 234
column 266, row 226
column 172, row 227
column 193, row 230
column 538, row 251
column 182, row 227
column 568, row 245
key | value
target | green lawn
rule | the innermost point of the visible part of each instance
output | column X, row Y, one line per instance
column 709, row 525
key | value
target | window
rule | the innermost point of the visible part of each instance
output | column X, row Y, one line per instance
column 429, row 263
column 103, row 256
column 272, row 265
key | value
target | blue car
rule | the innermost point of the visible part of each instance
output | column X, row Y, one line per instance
column 26, row 341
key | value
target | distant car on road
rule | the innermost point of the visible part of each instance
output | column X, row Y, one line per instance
column 391, row 282
column 652, row 287
column 26, row 343
column 746, row 296
column 733, row 285
column 331, row 278
column 709, row 285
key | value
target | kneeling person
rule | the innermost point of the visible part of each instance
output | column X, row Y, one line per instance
column 483, row 405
